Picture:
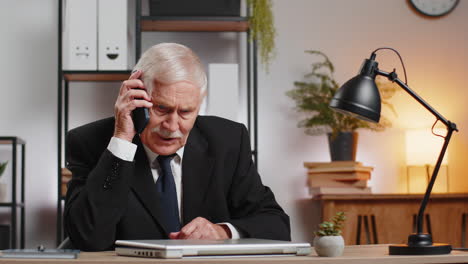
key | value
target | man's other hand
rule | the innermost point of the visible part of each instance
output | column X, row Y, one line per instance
column 200, row 228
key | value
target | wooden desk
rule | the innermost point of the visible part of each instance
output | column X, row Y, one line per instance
column 394, row 215
column 368, row 254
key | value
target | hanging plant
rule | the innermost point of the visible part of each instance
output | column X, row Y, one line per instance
column 262, row 29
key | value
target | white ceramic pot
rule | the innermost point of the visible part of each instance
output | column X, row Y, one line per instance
column 329, row 246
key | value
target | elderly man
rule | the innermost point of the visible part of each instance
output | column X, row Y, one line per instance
column 184, row 177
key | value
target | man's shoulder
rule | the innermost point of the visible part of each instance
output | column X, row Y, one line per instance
column 218, row 124
column 100, row 127
column 218, row 131
column 90, row 139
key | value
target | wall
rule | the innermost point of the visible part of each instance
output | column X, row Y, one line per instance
column 28, row 70
column 435, row 56
column 434, row 52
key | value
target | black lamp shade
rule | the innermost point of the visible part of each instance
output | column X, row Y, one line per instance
column 359, row 96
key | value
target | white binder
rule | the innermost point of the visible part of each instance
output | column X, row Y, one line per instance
column 223, row 90
column 113, row 35
column 80, row 35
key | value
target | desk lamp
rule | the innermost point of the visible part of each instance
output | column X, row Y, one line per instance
column 360, row 97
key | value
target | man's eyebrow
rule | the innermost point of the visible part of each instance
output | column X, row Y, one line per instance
column 156, row 102
column 188, row 108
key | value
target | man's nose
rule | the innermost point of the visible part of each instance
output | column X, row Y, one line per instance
column 172, row 122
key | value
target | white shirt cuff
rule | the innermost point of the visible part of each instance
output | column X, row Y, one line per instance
column 122, row 149
column 234, row 232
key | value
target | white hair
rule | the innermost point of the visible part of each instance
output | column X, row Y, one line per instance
column 169, row 63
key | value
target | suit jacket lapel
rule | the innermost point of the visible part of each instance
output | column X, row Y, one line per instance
column 144, row 187
column 196, row 173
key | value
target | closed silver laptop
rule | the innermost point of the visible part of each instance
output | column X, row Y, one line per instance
column 230, row 247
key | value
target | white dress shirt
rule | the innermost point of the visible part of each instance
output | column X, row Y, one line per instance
column 126, row 150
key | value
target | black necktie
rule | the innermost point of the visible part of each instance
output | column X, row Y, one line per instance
column 165, row 185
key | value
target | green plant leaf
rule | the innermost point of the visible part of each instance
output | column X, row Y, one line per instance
column 3, row 167
column 262, row 29
column 313, row 95
column 333, row 227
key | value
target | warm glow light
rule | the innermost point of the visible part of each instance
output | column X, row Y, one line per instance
column 423, row 148
column 418, row 178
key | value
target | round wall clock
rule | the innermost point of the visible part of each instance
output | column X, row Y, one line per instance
column 434, row 8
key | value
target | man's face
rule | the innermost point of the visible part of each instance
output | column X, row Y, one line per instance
column 175, row 108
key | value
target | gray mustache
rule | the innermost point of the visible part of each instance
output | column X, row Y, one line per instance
column 167, row 134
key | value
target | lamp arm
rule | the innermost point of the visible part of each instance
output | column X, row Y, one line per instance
column 425, row 200
column 392, row 76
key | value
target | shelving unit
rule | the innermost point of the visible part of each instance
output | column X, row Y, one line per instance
column 194, row 24
column 93, row 76
column 14, row 205
column 152, row 24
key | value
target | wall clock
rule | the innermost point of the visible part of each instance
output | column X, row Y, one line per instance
column 434, row 8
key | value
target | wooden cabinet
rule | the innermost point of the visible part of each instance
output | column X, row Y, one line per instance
column 394, row 214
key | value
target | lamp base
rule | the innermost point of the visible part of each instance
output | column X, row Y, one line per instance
column 420, row 244
column 434, row 249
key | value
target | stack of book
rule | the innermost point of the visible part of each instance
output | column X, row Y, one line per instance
column 66, row 177
column 338, row 177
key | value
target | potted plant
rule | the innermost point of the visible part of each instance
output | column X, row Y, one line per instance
column 262, row 29
column 328, row 241
column 313, row 96
column 3, row 186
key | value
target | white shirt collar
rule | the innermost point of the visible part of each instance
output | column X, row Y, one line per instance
column 152, row 156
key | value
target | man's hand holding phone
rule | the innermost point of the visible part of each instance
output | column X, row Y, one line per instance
column 132, row 95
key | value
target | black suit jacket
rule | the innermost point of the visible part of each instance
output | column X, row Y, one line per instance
column 109, row 198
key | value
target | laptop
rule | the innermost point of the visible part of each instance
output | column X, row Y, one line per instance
column 209, row 248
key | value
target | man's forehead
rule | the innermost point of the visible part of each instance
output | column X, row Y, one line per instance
column 171, row 96
column 182, row 86
column 179, row 94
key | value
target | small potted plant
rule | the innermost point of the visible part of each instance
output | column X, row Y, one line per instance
column 313, row 96
column 328, row 241
column 3, row 186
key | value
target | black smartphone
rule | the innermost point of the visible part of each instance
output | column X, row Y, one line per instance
column 140, row 117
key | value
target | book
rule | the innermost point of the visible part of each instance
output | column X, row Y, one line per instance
column 341, row 169
column 66, row 177
column 66, row 172
column 333, row 164
column 325, row 182
column 343, row 176
column 338, row 190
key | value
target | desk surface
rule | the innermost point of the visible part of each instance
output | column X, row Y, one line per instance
column 390, row 196
column 368, row 254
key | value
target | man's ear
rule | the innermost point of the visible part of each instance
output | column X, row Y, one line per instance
column 203, row 95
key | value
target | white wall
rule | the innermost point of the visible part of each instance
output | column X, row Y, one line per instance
column 28, row 70
column 434, row 52
column 436, row 59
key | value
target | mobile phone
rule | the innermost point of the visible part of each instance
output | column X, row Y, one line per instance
column 140, row 117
